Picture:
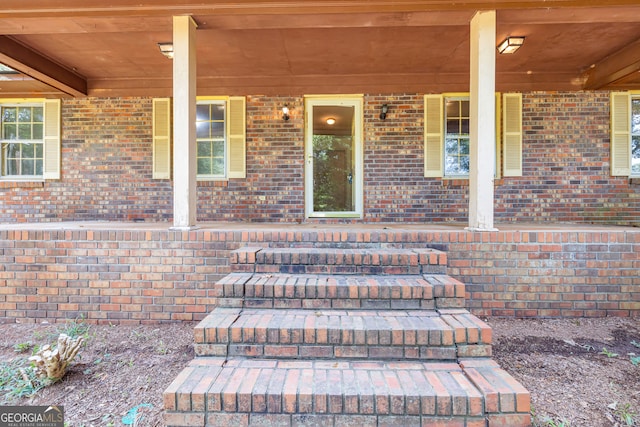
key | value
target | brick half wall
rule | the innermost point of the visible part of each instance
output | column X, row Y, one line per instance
column 133, row 276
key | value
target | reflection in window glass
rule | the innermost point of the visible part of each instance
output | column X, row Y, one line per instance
column 22, row 138
column 456, row 153
column 635, row 136
column 210, row 136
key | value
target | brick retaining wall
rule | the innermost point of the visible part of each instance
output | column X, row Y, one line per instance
column 134, row 276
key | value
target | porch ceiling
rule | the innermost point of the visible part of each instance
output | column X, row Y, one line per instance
column 76, row 47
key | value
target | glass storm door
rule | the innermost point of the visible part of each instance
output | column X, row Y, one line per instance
column 333, row 173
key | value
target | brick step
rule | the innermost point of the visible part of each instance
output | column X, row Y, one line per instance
column 267, row 290
column 339, row 261
column 343, row 334
column 243, row 392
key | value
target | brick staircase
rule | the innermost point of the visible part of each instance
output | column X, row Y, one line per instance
column 343, row 337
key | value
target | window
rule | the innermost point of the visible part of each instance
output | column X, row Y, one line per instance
column 220, row 138
column 211, row 141
column 30, row 140
column 22, row 140
column 635, row 136
column 456, row 139
column 447, row 139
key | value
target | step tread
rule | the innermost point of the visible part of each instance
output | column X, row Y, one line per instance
column 345, row 387
column 344, row 327
column 287, row 285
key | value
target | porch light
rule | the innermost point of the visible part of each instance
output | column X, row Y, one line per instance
column 510, row 44
column 383, row 111
column 331, row 121
column 166, row 49
column 285, row 113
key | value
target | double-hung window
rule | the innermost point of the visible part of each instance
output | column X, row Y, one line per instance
column 29, row 140
column 211, row 139
column 220, row 138
column 447, row 139
column 635, row 136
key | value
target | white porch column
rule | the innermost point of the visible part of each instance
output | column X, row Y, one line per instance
column 482, row 112
column 184, row 122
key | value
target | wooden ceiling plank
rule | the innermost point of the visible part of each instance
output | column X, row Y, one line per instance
column 31, row 63
column 614, row 67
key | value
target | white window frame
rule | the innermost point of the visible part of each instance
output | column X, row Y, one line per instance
column 224, row 175
column 635, row 96
column 445, row 99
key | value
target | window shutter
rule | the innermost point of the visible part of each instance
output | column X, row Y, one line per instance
column 161, row 138
column 512, row 134
column 433, row 136
column 51, row 139
column 620, row 134
column 236, row 133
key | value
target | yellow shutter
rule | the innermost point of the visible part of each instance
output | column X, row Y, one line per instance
column 512, row 134
column 620, row 134
column 161, row 138
column 236, row 132
column 51, row 139
column 433, row 136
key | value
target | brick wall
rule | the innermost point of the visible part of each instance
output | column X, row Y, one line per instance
column 107, row 152
column 133, row 276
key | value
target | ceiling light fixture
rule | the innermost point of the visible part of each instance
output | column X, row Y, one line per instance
column 166, row 49
column 331, row 121
column 285, row 113
column 510, row 44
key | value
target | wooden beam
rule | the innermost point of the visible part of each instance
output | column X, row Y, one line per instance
column 33, row 64
column 615, row 67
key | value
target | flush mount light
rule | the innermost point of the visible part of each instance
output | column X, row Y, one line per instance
column 166, row 49
column 331, row 121
column 510, row 44
column 285, row 113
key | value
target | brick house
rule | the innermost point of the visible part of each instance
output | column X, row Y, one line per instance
column 261, row 165
column 551, row 122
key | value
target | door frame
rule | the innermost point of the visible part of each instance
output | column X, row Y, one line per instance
column 356, row 101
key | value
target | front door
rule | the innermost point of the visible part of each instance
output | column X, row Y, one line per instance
column 333, row 151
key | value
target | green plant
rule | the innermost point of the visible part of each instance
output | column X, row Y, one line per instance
column 22, row 347
column 18, row 379
column 635, row 344
column 608, row 353
column 624, row 412
column 74, row 328
column 635, row 360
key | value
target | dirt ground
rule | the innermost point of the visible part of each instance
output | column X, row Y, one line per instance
column 579, row 372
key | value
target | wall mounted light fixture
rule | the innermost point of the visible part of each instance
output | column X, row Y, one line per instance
column 383, row 111
column 285, row 113
column 510, row 44
column 166, row 49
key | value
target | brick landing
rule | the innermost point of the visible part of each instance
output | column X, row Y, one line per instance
column 381, row 340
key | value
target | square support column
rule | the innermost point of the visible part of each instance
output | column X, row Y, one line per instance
column 482, row 132
column 184, row 122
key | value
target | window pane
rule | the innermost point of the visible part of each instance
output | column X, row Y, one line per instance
column 9, row 131
column 464, row 108
column 202, row 130
column 217, row 130
column 37, row 131
column 12, row 167
column 24, row 114
column 27, row 167
column 204, row 166
column 28, row 151
column 453, row 126
column 451, row 146
column 202, row 112
column 218, row 166
column 464, row 129
column 635, row 155
column 464, row 146
column 217, row 112
column 39, row 168
column 9, row 114
column 24, row 131
column 38, row 115
column 204, row 149
column 38, row 151
column 452, row 108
